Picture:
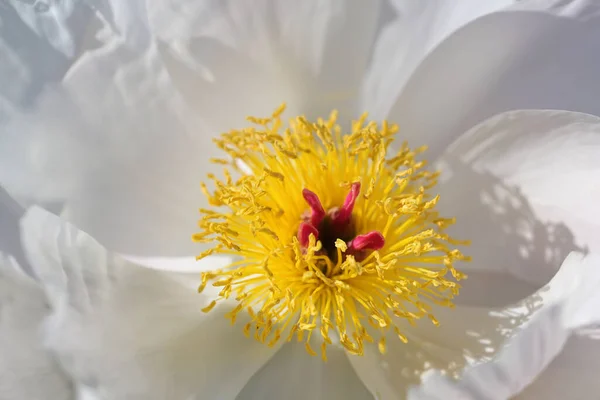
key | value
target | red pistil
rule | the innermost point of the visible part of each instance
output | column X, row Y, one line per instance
column 362, row 245
column 304, row 232
column 336, row 223
column 341, row 217
column 369, row 241
column 316, row 208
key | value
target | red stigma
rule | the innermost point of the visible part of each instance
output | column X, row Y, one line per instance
column 369, row 241
column 341, row 217
column 335, row 224
column 316, row 208
column 304, row 232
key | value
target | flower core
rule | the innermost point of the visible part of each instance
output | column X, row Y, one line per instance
column 332, row 235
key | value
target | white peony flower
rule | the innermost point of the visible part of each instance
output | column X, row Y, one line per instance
column 125, row 138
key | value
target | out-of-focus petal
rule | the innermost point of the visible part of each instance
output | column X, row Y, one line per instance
column 62, row 24
column 542, row 54
column 572, row 308
column 522, row 187
column 38, row 43
column 129, row 332
column 27, row 369
column 127, row 20
column 293, row 374
column 411, row 31
column 572, row 374
column 10, row 214
column 232, row 59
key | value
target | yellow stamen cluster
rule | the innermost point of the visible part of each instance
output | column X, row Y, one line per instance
column 288, row 289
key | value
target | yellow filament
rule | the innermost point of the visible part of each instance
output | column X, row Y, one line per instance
column 288, row 290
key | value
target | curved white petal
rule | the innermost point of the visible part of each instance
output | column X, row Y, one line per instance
column 572, row 374
column 471, row 335
column 120, row 148
column 411, row 31
column 38, row 43
column 543, row 56
column 584, row 9
column 181, row 264
column 127, row 20
column 128, row 332
column 232, row 59
column 293, row 374
column 522, row 187
column 573, row 307
column 27, row 369
column 61, row 24
column 465, row 334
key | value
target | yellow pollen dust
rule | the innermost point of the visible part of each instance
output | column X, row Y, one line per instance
column 289, row 288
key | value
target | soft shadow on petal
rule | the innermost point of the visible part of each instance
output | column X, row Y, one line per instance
column 571, row 309
column 27, row 368
column 232, row 59
column 465, row 335
column 538, row 60
column 411, row 31
column 293, row 374
column 129, row 332
column 521, row 188
column 573, row 374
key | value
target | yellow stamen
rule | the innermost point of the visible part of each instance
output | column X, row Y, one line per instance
column 289, row 288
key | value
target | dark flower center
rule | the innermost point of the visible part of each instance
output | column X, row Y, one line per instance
column 336, row 223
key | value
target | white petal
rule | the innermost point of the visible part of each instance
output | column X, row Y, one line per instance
column 585, row 9
column 468, row 335
column 181, row 264
column 10, row 213
column 412, row 31
column 540, row 58
column 37, row 46
column 128, row 20
column 574, row 306
column 117, row 145
column 251, row 56
column 490, row 288
column 465, row 334
column 27, row 369
column 121, row 148
column 129, row 332
column 293, row 374
column 38, row 43
column 521, row 186
column 61, row 24
column 572, row 374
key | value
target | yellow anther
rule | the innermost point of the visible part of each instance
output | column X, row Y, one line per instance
column 333, row 291
column 340, row 244
column 210, row 306
column 381, row 345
